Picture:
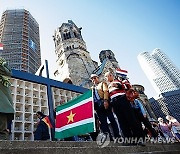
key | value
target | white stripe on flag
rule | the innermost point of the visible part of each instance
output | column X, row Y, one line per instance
column 1, row 48
column 82, row 122
column 124, row 73
column 93, row 113
column 75, row 105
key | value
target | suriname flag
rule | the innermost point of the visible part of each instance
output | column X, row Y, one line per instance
column 75, row 117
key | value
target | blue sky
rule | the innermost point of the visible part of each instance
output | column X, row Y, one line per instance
column 127, row 27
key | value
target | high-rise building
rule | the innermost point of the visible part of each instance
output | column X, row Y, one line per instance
column 163, row 75
column 167, row 104
column 19, row 33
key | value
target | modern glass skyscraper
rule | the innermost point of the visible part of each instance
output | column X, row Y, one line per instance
column 19, row 33
column 163, row 75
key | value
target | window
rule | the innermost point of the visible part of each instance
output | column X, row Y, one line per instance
column 67, row 35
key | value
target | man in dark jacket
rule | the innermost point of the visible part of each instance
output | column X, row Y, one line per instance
column 42, row 131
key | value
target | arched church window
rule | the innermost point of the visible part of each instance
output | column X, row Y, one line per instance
column 75, row 35
column 64, row 35
column 58, row 41
column 110, row 57
column 68, row 35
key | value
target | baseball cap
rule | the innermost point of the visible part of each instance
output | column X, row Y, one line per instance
column 93, row 75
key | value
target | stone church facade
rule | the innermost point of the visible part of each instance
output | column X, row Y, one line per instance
column 74, row 63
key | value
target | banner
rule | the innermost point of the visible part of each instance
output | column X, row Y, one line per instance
column 75, row 117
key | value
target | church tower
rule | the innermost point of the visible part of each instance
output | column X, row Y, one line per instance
column 73, row 60
column 108, row 54
column 108, row 63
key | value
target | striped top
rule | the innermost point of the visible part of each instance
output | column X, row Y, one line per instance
column 116, row 88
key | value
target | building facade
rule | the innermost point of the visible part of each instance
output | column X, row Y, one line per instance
column 73, row 60
column 162, row 73
column 19, row 33
column 167, row 104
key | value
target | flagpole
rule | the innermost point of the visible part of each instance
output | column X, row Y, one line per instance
column 50, row 105
column 93, row 111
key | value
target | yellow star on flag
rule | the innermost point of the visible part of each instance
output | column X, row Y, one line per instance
column 70, row 117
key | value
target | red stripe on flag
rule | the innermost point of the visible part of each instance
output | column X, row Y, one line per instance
column 118, row 69
column 81, row 112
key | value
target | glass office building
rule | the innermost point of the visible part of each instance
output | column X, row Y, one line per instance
column 159, row 69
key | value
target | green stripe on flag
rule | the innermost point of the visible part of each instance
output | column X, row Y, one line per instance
column 78, row 99
column 78, row 130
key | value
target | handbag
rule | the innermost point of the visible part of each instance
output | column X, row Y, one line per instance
column 131, row 95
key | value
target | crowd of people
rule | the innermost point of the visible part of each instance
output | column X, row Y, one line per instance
column 117, row 114
column 112, row 102
column 118, row 111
